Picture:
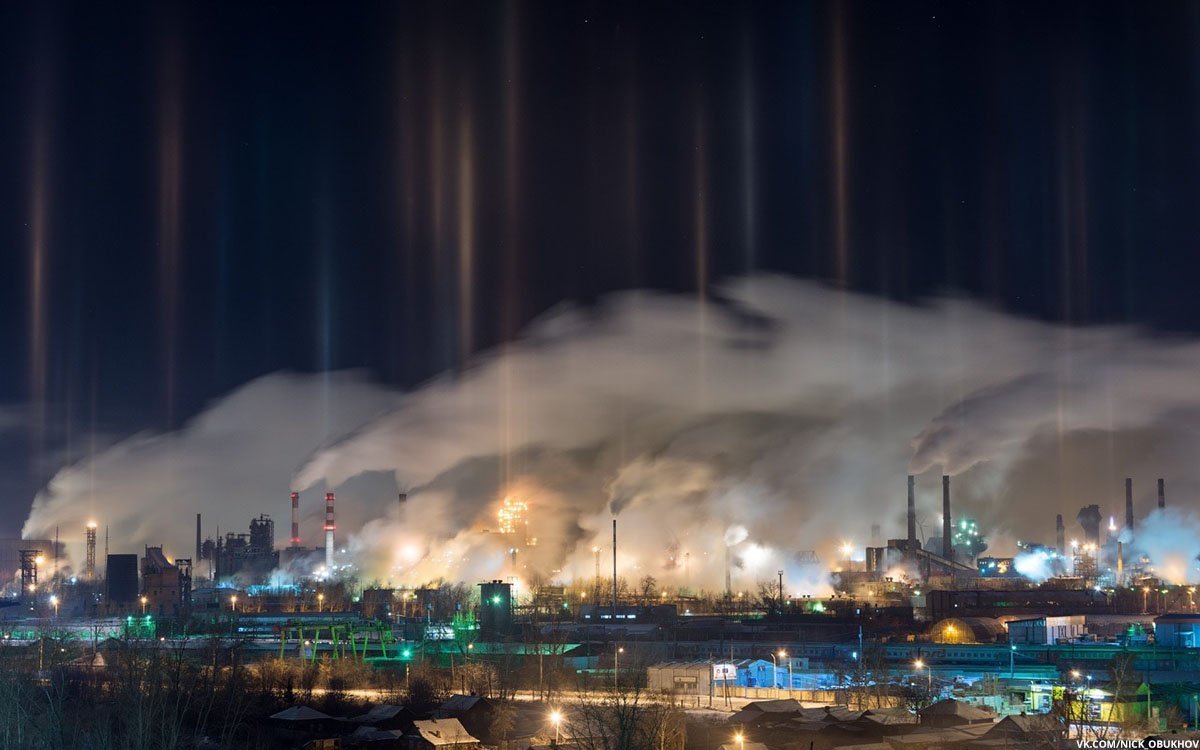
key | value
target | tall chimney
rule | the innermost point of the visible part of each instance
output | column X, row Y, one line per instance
column 197, row 539
column 1128, row 502
column 1060, row 535
column 947, row 526
column 295, row 519
column 912, row 514
column 329, row 529
column 1162, row 494
column 614, row 609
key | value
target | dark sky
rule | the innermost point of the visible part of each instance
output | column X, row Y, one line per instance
column 214, row 191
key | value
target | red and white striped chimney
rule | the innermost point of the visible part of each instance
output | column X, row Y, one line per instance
column 330, row 526
column 295, row 519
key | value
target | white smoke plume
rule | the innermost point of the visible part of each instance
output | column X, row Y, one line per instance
column 785, row 408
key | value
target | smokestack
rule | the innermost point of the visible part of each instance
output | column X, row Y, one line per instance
column 403, row 498
column 614, row 609
column 728, row 575
column 295, row 519
column 197, row 538
column 1060, row 535
column 1129, row 502
column 329, row 529
column 912, row 514
column 876, row 535
column 947, row 547
column 1162, row 494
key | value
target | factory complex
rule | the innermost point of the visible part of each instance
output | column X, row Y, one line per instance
column 1072, row 632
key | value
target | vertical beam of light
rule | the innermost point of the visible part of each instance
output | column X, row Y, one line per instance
column 510, row 297
column 170, row 134
column 749, row 160
column 840, row 125
column 407, row 169
column 466, row 235
column 437, row 213
column 38, row 287
column 632, row 215
column 700, row 229
column 326, row 303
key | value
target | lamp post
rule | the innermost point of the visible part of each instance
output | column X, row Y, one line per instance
column 556, row 719
column 784, row 655
column 233, row 603
column 54, row 603
column 1012, row 653
column 144, row 601
column 741, row 740
column 617, row 667
column 320, row 601
column 919, row 665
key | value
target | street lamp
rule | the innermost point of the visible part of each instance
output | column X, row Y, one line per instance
column 233, row 603
column 1012, row 653
column 556, row 718
column 144, row 602
column 320, row 601
column 54, row 603
column 775, row 669
column 919, row 665
column 617, row 667
column 741, row 740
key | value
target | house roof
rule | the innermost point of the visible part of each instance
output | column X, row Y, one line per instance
column 755, row 710
column 1025, row 724
column 458, row 703
column 381, row 712
column 957, row 709
column 444, row 732
column 299, row 713
column 947, row 734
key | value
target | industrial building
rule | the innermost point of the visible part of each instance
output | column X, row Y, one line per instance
column 166, row 585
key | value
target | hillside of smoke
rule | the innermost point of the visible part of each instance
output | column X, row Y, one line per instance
column 230, row 463
column 781, row 417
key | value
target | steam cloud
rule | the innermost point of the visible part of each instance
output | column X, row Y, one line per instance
column 781, row 418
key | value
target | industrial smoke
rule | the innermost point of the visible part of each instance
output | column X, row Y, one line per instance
column 782, row 408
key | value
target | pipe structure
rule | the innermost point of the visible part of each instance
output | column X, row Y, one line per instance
column 1060, row 535
column 330, row 527
column 947, row 526
column 1162, row 494
column 912, row 514
column 295, row 497
column 614, row 609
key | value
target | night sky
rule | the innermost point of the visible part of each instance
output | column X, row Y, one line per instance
column 195, row 195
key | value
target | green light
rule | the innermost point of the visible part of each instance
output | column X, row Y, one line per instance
column 496, row 600
column 566, row 606
column 407, row 653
